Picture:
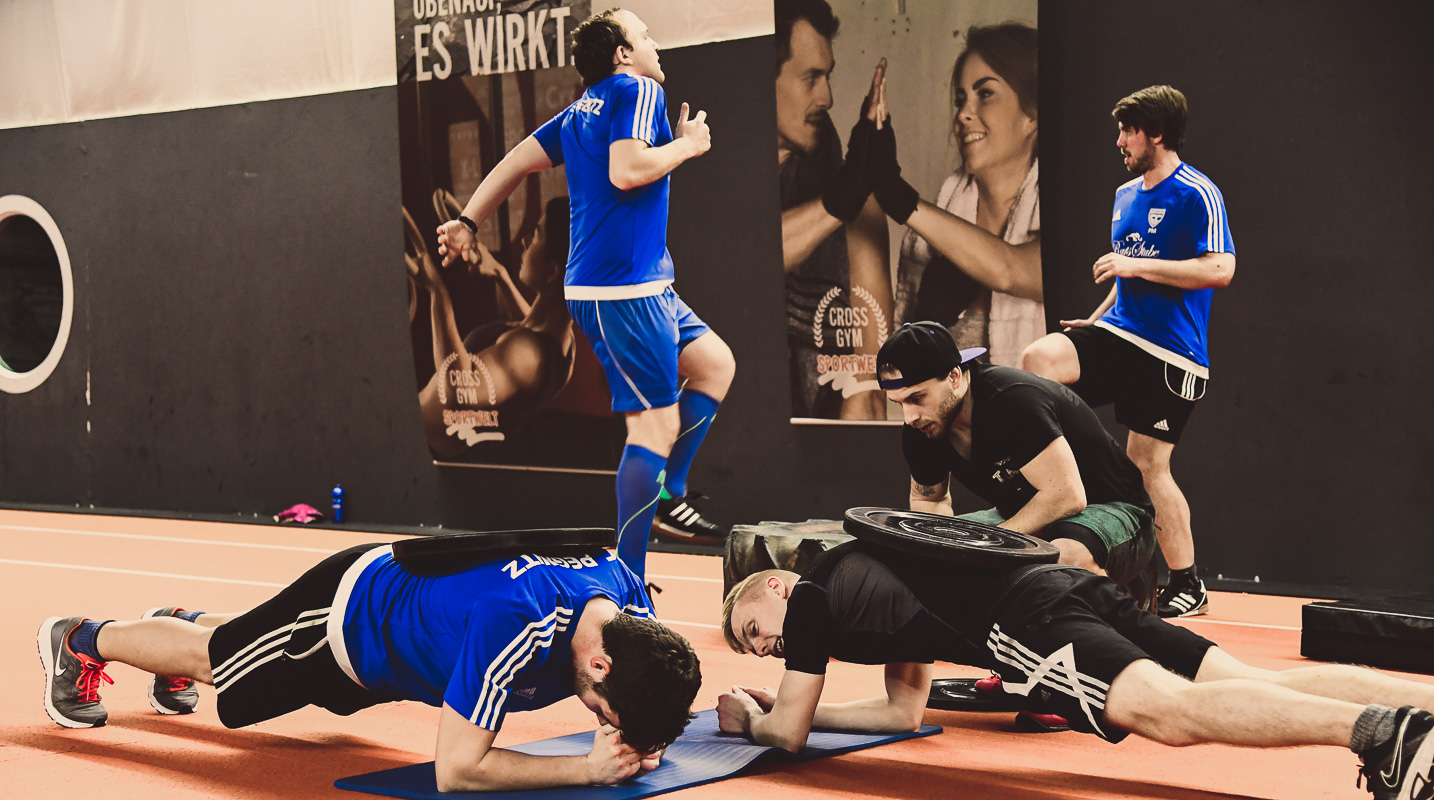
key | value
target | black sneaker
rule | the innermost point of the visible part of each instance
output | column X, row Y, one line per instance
column 679, row 520
column 171, row 694
column 1401, row 768
column 72, row 680
column 1183, row 600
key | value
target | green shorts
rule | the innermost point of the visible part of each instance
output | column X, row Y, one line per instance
column 1115, row 523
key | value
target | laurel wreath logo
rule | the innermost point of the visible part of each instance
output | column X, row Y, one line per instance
column 484, row 376
column 861, row 294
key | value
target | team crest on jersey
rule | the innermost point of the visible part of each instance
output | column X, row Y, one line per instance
column 1154, row 217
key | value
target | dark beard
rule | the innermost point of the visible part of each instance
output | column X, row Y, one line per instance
column 945, row 412
column 1142, row 165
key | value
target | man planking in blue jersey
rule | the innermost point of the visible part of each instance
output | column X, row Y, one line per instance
column 513, row 634
column 619, row 151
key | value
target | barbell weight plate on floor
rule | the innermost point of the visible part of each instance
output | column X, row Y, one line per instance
column 961, row 694
column 947, row 538
column 446, row 552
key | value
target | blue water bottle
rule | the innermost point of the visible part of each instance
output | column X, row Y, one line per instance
column 338, row 503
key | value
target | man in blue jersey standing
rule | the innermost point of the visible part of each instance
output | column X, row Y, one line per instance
column 620, row 150
column 1145, row 348
column 512, row 634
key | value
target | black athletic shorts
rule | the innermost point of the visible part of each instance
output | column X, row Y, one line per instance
column 276, row 658
column 1150, row 396
column 1065, row 634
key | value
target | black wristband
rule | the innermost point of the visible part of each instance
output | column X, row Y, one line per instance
column 846, row 194
column 468, row 223
column 897, row 198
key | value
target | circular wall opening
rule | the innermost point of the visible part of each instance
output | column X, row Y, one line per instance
column 36, row 294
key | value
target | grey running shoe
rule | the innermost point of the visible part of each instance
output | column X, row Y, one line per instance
column 678, row 520
column 72, row 680
column 1183, row 600
column 1403, row 767
column 171, row 694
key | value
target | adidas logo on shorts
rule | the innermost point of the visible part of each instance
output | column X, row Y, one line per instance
column 1162, row 425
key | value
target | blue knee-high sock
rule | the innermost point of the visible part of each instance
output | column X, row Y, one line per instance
column 639, row 480
column 695, row 411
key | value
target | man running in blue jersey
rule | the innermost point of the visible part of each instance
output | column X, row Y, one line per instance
column 1145, row 347
column 514, row 634
column 619, row 151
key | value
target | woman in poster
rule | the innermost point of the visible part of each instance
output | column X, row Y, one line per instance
column 972, row 260
column 489, row 380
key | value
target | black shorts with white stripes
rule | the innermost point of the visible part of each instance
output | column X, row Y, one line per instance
column 1150, row 396
column 276, row 658
column 1065, row 635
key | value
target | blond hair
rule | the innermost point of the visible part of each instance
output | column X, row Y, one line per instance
column 740, row 591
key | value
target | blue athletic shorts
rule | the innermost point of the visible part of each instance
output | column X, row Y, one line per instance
column 638, row 342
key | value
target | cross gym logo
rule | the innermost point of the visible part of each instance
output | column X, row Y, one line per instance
column 464, row 423
column 847, row 324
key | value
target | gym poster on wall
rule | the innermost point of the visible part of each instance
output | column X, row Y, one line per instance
column 504, row 379
column 961, row 139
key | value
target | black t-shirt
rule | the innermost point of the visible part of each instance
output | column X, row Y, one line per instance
column 1014, row 416
column 866, row 605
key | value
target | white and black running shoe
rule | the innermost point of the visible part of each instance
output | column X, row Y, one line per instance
column 678, row 519
column 1403, row 767
column 1183, row 600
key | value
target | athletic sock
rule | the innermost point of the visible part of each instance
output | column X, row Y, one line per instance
column 639, row 478
column 1185, row 577
column 190, row 616
column 1373, row 728
column 695, row 411
column 85, row 635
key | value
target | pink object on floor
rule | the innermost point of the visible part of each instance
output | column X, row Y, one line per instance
column 301, row 513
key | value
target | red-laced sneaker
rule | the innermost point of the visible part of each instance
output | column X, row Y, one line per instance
column 171, row 694
column 72, row 680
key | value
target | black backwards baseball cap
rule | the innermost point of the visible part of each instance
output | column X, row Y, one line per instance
column 920, row 351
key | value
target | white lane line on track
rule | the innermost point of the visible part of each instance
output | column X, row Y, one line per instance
column 251, row 545
column 1242, row 624
column 684, row 578
column 229, row 580
column 145, row 573
column 219, row 542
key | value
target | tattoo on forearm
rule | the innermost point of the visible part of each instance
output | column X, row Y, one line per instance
column 922, row 490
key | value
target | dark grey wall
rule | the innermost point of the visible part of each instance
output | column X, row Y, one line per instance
column 241, row 327
column 1307, row 463
column 241, row 320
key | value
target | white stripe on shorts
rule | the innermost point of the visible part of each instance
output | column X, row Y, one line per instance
column 1057, row 671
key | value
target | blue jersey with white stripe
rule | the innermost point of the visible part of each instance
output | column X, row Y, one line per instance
column 491, row 639
column 1181, row 218
column 619, row 238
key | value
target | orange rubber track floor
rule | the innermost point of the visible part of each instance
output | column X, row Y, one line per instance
column 103, row 567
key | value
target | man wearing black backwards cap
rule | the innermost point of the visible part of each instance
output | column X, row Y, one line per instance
column 1027, row 445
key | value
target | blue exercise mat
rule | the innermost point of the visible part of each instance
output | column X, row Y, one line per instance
column 702, row 755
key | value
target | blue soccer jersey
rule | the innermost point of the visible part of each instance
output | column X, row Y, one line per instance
column 491, row 639
column 1182, row 217
column 619, row 238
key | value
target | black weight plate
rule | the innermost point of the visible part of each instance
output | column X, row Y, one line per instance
column 947, row 538
column 451, row 551
column 961, row 694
